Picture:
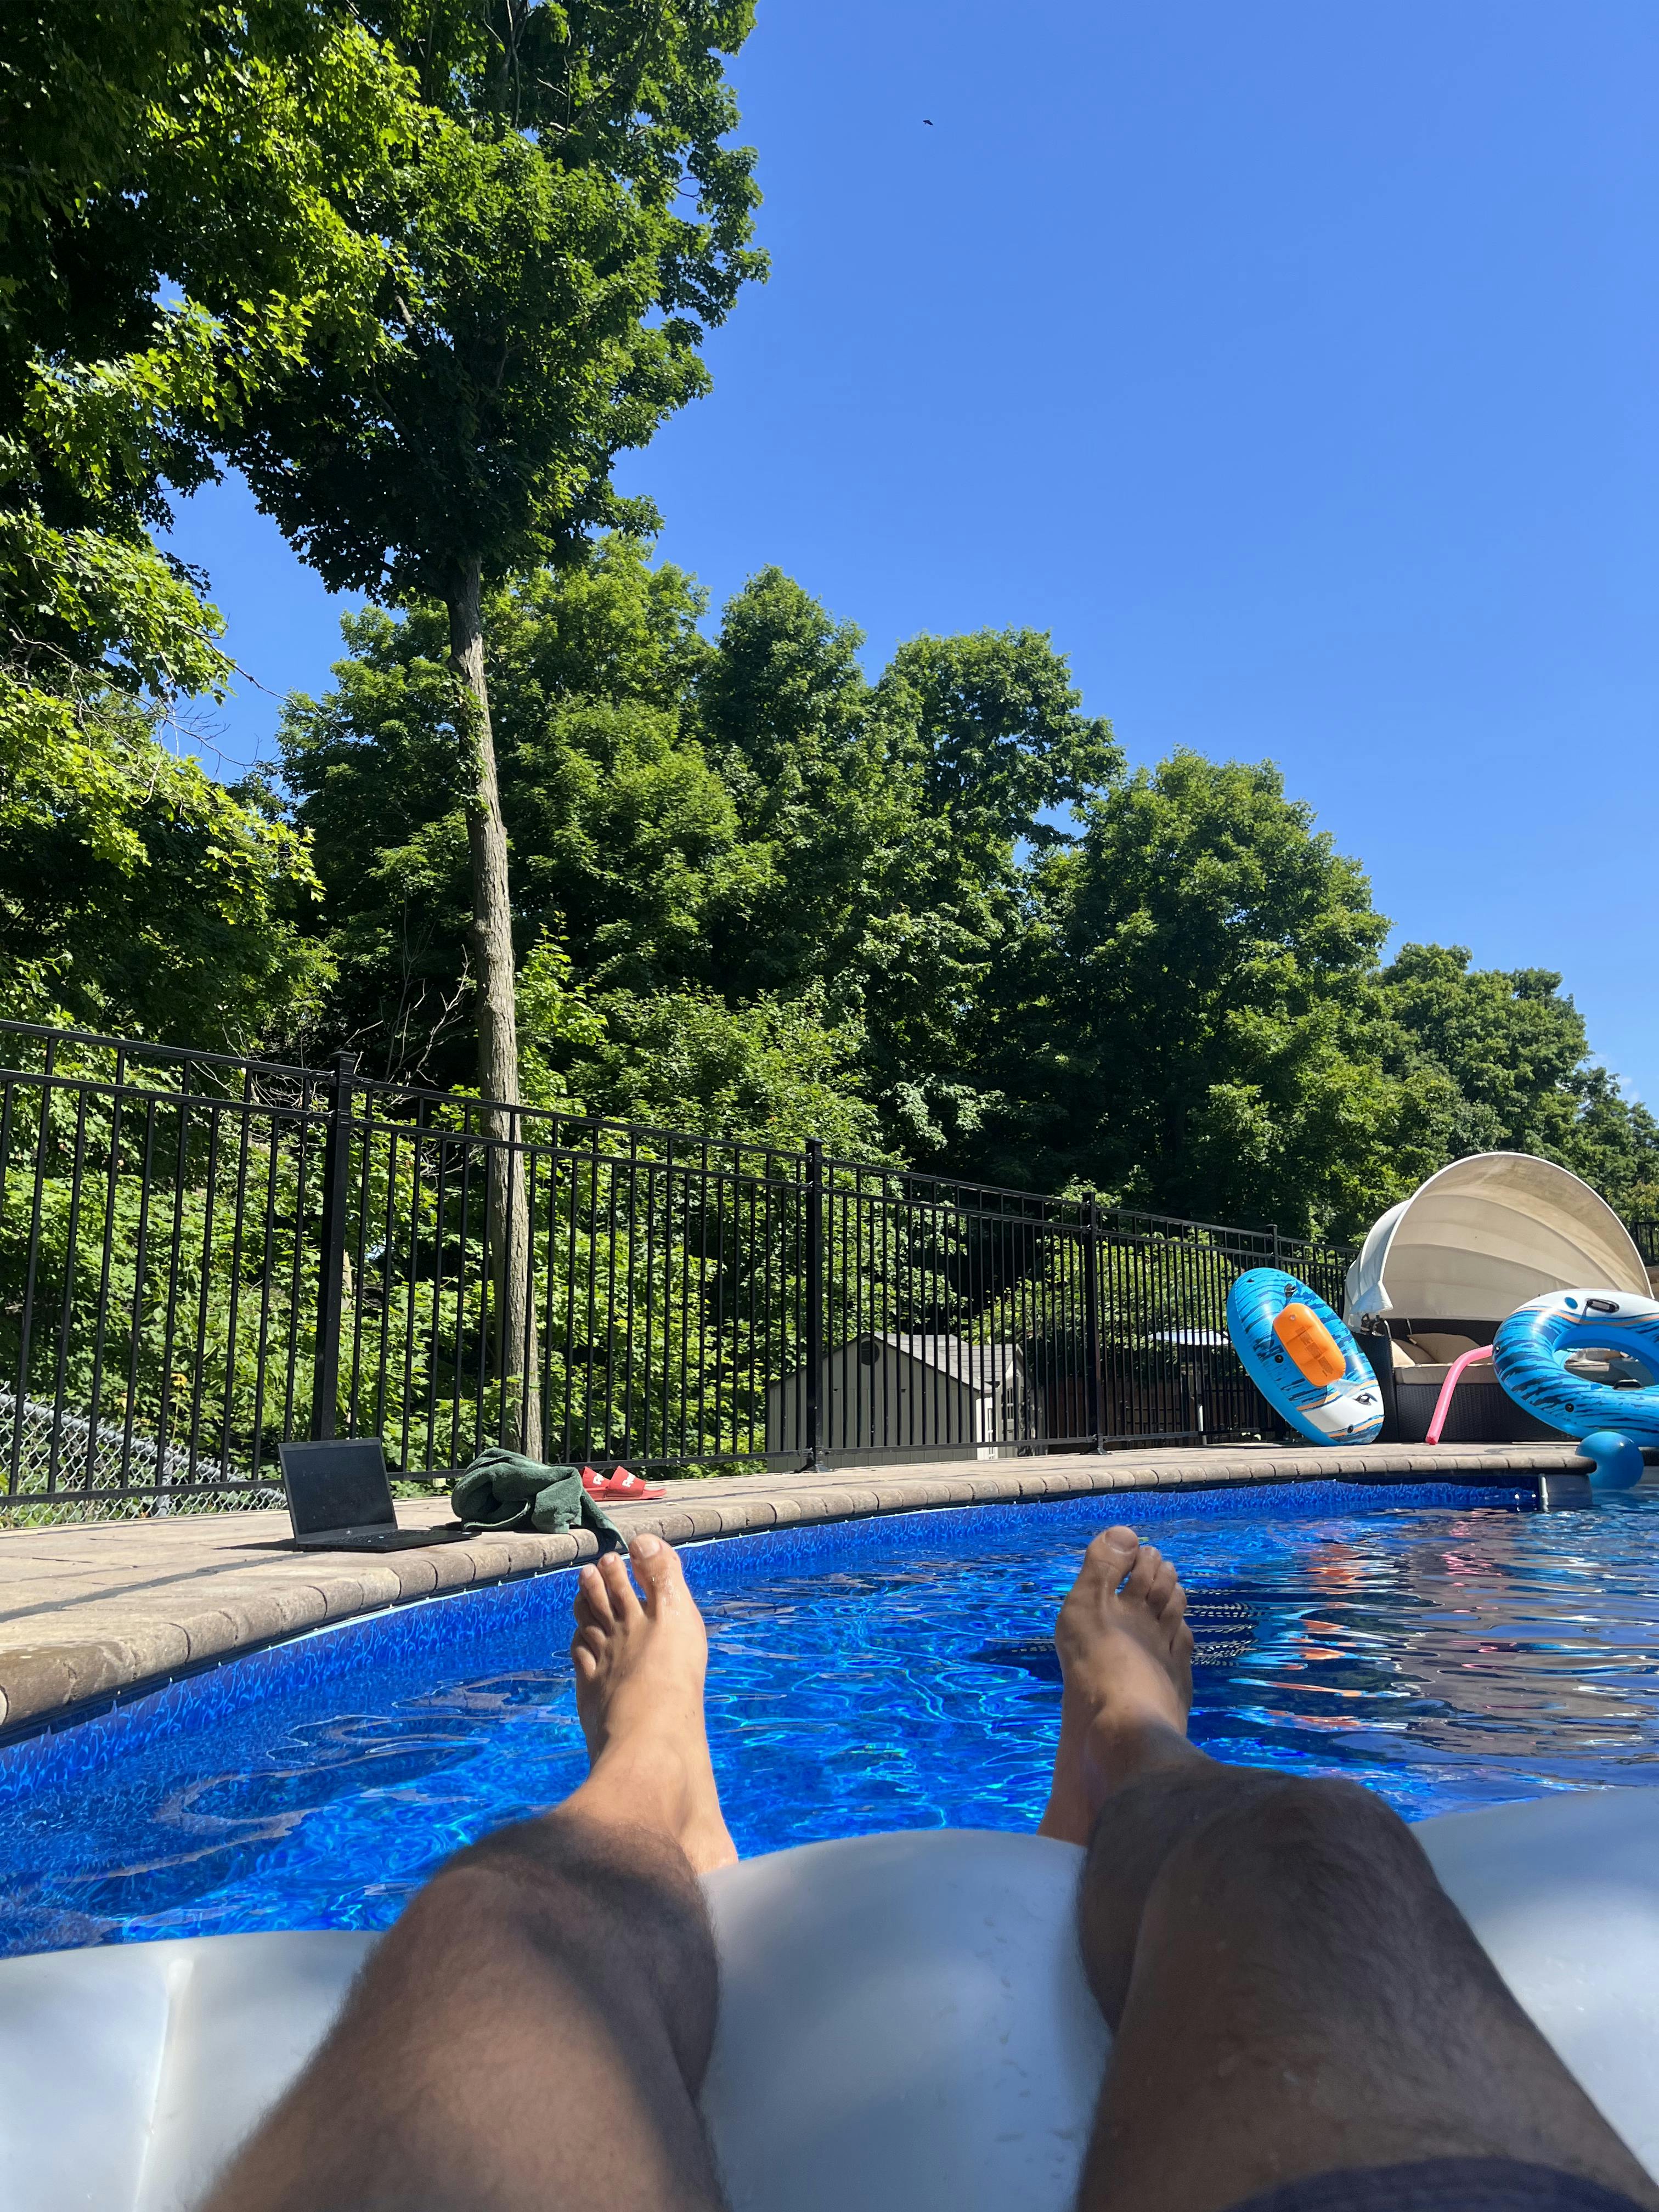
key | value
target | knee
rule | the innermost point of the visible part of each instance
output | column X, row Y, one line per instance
column 597, row 1897
column 1322, row 1814
column 582, row 1868
column 1323, row 1832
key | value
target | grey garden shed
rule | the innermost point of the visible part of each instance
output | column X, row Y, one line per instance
column 927, row 1396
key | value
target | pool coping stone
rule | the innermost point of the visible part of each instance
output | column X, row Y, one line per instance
column 92, row 1613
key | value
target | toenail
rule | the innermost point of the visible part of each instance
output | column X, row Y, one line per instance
column 647, row 1546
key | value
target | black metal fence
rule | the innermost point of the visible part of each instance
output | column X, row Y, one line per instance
column 201, row 1256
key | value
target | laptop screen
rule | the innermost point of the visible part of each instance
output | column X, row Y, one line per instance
column 340, row 1483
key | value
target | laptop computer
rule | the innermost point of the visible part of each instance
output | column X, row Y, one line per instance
column 339, row 1499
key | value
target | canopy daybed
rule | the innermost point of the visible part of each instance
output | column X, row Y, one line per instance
column 1438, row 1273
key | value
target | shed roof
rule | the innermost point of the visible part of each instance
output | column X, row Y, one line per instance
column 981, row 1366
column 978, row 1367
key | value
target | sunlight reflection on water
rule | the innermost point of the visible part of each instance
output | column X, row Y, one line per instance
column 1446, row 1657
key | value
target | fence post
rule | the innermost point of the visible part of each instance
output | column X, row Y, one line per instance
column 330, row 1279
column 813, row 1409
column 1092, row 1322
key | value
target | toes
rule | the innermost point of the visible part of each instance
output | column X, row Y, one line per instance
column 658, row 1567
column 1165, row 1583
column 1175, row 1610
column 1109, row 1554
column 1181, row 1648
column 581, row 1655
column 593, row 1606
column 1137, row 1583
column 624, row 1599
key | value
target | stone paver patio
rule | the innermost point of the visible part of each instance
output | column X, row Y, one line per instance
column 90, row 1613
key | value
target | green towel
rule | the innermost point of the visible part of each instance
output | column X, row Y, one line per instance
column 503, row 1489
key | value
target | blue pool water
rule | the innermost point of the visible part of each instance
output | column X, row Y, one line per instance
column 887, row 1675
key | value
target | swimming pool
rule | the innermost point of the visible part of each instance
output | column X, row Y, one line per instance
column 885, row 1674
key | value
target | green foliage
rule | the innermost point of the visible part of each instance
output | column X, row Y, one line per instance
column 177, row 1239
column 1185, row 1025
column 884, row 825
column 436, row 268
column 94, row 615
column 785, row 713
column 623, row 835
column 147, row 146
column 1193, row 1019
column 749, row 819
column 138, row 896
column 991, row 722
column 756, row 892
column 108, row 616
column 542, row 290
column 1516, row 1054
column 226, row 144
column 212, row 150
column 990, row 729
column 555, row 1019
column 1508, row 1040
column 423, row 273
column 774, row 1071
column 1613, row 1144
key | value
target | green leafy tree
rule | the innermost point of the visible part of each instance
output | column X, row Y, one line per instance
column 436, row 270
column 1614, row 1145
column 1508, row 1039
column 140, row 141
column 546, row 296
column 1185, row 1027
column 1195, row 1020
column 776, row 1072
column 1518, row 1053
column 1184, row 1010
column 750, row 819
column 786, row 717
column 165, row 907
column 232, row 139
column 884, row 824
column 622, row 831
column 991, row 732
column 94, row 615
column 147, row 146
column 549, row 290
column 995, row 726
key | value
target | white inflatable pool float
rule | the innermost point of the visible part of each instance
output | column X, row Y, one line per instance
column 904, row 2021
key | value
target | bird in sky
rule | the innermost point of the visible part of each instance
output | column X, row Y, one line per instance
column 928, row 120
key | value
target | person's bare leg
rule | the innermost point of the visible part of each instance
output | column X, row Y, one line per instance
column 1290, row 1989
column 534, row 2031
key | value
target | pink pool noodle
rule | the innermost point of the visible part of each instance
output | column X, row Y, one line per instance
column 1443, row 1403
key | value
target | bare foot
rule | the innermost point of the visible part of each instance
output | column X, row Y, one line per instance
column 1127, row 1656
column 639, row 1668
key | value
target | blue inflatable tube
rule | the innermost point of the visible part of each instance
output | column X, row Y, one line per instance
column 1530, row 1352
column 1328, row 1408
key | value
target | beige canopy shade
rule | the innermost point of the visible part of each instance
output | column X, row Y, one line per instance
column 1485, row 1235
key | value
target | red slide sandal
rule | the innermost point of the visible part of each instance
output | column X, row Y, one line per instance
column 619, row 1487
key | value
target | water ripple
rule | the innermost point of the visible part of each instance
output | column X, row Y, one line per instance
column 1446, row 1657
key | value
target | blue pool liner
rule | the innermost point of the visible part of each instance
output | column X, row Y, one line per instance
column 464, row 1626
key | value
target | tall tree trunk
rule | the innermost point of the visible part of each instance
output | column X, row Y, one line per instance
column 507, row 1212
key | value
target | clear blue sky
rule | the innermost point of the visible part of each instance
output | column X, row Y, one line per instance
column 1294, row 364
